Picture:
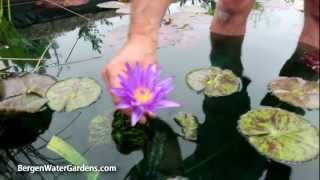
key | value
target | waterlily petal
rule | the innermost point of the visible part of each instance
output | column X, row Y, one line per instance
column 123, row 106
column 135, row 117
column 167, row 104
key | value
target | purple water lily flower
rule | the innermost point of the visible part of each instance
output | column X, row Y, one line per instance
column 142, row 91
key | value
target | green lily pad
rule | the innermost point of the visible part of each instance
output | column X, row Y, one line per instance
column 26, row 84
column 296, row 91
column 67, row 152
column 189, row 124
column 100, row 129
column 22, row 104
column 213, row 81
column 280, row 135
column 72, row 94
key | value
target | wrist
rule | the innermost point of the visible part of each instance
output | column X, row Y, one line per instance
column 144, row 30
column 144, row 40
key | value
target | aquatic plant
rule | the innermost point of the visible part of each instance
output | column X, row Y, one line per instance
column 24, row 94
column 280, row 135
column 296, row 91
column 126, row 137
column 189, row 125
column 91, row 34
column 213, row 81
column 142, row 92
column 66, row 151
column 72, row 94
column 19, row 50
column 30, row 92
column 100, row 130
column 8, row 10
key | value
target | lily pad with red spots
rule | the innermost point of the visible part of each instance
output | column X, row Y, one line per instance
column 213, row 81
column 296, row 91
column 280, row 135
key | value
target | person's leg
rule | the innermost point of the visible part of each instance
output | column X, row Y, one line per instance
column 230, row 16
column 310, row 33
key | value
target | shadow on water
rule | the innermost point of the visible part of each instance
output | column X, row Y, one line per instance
column 221, row 151
column 158, row 142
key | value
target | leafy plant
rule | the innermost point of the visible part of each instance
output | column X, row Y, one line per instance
column 66, row 151
column 24, row 94
column 189, row 125
column 91, row 33
column 213, row 81
column 72, row 94
column 280, row 135
column 296, row 91
column 19, row 50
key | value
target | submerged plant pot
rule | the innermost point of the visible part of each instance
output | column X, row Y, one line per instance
column 126, row 137
column 23, row 129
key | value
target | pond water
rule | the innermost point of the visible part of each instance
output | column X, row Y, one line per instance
column 270, row 41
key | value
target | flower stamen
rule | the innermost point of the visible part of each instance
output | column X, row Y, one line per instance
column 143, row 95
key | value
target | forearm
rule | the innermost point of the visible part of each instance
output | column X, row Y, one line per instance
column 146, row 17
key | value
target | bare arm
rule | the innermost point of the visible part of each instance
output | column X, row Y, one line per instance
column 146, row 17
column 142, row 40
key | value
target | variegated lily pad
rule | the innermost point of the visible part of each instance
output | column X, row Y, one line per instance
column 214, row 81
column 100, row 130
column 22, row 104
column 189, row 124
column 72, row 94
column 280, row 135
column 296, row 91
column 26, row 84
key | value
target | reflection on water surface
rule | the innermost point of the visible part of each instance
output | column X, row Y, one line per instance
column 269, row 49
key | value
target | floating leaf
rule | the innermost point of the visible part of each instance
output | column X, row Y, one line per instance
column 189, row 124
column 22, row 104
column 112, row 5
column 214, row 81
column 26, row 84
column 296, row 91
column 100, row 131
column 67, row 152
column 280, row 135
column 72, row 94
column 124, row 10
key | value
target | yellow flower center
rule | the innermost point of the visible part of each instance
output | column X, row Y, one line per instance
column 143, row 95
column 298, row 92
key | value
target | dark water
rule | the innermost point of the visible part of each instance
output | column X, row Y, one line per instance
column 270, row 42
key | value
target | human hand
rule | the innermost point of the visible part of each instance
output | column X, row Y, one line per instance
column 138, row 48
